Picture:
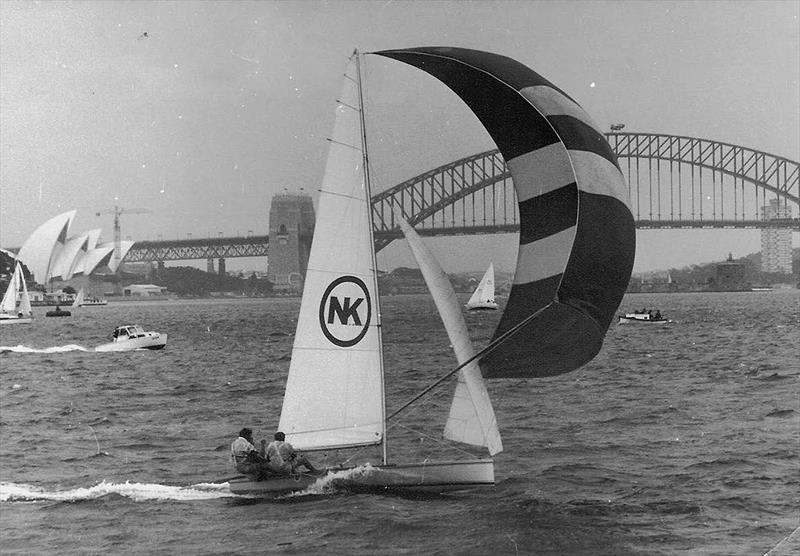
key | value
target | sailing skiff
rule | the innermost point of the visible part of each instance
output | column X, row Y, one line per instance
column 577, row 242
column 11, row 310
column 483, row 296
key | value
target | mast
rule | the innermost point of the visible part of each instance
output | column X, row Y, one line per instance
column 367, row 186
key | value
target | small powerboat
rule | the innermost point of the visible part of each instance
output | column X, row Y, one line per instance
column 132, row 336
column 643, row 317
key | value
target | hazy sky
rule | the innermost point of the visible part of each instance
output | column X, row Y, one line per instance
column 201, row 111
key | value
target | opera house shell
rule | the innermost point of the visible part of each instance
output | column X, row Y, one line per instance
column 51, row 253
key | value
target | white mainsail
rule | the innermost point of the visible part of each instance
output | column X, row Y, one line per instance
column 483, row 296
column 9, row 303
column 471, row 419
column 78, row 298
column 334, row 393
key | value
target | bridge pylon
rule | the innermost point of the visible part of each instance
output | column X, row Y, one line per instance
column 291, row 227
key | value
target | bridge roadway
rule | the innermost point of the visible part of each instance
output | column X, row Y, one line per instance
column 258, row 246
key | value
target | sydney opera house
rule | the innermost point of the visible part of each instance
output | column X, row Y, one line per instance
column 51, row 253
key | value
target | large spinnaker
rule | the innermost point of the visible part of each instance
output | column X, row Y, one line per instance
column 577, row 235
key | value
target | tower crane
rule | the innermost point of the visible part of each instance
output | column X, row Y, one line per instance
column 117, row 211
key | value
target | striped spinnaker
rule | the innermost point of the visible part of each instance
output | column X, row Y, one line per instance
column 577, row 234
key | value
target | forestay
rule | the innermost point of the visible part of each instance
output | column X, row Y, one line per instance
column 334, row 393
column 577, row 235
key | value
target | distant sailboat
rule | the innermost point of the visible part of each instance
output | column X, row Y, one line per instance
column 82, row 301
column 572, row 270
column 12, row 312
column 78, row 299
column 483, row 296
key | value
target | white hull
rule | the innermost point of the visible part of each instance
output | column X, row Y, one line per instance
column 425, row 477
column 92, row 303
column 153, row 340
column 15, row 320
column 634, row 320
column 482, row 306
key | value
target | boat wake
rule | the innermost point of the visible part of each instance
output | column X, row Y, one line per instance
column 55, row 349
column 138, row 492
column 333, row 481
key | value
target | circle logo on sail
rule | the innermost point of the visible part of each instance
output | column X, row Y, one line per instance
column 345, row 311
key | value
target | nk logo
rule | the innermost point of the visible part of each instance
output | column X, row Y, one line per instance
column 345, row 311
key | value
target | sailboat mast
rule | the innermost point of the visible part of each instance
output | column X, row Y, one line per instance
column 367, row 186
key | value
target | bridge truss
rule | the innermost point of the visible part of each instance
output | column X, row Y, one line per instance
column 674, row 182
column 195, row 249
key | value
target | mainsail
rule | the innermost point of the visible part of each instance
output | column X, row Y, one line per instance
column 483, row 296
column 471, row 419
column 334, row 393
column 577, row 235
column 9, row 303
column 79, row 298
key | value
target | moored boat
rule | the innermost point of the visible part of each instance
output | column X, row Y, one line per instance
column 58, row 312
column 131, row 337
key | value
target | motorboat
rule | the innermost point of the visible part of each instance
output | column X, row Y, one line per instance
column 131, row 337
column 643, row 317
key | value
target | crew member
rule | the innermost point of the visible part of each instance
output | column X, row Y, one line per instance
column 246, row 459
column 284, row 458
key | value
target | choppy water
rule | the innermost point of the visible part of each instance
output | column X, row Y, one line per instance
column 677, row 439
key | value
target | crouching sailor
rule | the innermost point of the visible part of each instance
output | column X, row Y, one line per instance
column 283, row 458
column 246, row 459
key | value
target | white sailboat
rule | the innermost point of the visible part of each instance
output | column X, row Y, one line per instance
column 11, row 311
column 483, row 296
column 572, row 270
column 81, row 300
column 334, row 397
column 78, row 299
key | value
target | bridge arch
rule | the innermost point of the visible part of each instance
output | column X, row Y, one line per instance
column 674, row 182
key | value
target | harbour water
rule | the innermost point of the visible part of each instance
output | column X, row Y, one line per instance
column 677, row 439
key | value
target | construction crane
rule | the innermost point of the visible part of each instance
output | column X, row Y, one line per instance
column 117, row 212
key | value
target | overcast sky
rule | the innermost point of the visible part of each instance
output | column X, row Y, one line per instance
column 201, row 111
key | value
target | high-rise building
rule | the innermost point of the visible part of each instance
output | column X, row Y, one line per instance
column 776, row 243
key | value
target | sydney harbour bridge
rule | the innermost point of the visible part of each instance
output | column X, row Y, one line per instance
column 674, row 182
